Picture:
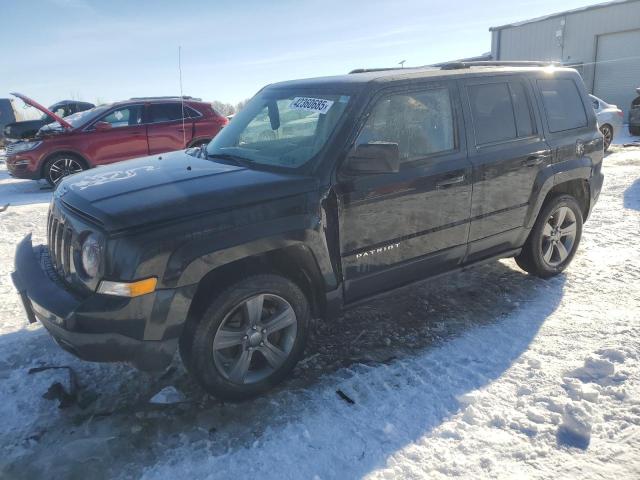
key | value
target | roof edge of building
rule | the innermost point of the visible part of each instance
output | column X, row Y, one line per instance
column 561, row 14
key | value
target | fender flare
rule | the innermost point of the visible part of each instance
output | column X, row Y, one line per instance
column 556, row 174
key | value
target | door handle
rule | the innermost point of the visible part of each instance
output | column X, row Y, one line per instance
column 536, row 158
column 447, row 182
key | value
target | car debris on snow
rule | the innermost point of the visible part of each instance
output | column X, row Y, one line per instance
column 167, row 396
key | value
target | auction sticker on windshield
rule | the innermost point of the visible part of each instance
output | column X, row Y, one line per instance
column 308, row 104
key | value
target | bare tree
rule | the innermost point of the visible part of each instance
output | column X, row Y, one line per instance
column 240, row 105
column 223, row 108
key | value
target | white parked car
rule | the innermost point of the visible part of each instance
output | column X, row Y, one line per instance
column 609, row 119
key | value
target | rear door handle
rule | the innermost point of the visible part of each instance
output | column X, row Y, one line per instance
column 447, row 182
column 536, row 158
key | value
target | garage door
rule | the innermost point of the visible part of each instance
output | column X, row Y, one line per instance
column 618, row 68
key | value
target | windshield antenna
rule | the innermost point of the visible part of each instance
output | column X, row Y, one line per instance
column 184, row 132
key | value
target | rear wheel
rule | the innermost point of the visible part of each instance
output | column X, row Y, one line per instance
column 248, row 339
column 60, row 166
column 554, row 238
column 607, row 134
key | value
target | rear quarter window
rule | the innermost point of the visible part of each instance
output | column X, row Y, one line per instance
column 562, row 103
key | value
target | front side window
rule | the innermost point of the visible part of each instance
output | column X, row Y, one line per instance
column 420, row 123
column 562, row 103
column 280, row 128
column 124, row 117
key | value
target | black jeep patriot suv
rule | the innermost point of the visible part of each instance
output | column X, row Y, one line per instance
column 320, row 194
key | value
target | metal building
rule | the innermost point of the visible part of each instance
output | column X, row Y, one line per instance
column 602, row 41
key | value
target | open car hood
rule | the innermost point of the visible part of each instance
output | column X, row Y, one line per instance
column 45, row 110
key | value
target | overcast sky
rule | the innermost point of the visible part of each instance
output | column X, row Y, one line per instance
column 110, row 50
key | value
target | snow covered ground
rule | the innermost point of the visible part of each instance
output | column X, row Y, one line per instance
column 488, row 373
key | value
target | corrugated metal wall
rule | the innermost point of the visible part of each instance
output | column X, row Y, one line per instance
column 569, row 38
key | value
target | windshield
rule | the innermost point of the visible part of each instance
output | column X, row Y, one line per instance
column 79, row 118
column 280, row 129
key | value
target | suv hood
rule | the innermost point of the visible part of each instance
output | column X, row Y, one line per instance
column 171, row 186
column 35, row 104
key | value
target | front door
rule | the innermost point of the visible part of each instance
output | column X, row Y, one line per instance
column 127, row 137
column 167, row 130
column 508, row 151
column 396, row 228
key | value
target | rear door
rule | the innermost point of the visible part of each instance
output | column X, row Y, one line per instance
column 396, row 228
column 570, row 122
column 166, row 129
column 508, row 151
column 127, row 137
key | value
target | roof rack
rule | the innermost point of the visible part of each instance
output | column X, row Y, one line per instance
column 365, row 70
column 497, row 63
column 169, row 97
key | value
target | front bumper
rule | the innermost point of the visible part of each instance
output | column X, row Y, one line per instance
column 23, row 166
column 143, row 330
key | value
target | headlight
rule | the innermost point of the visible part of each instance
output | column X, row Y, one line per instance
column 24, row 146
column 91, row 256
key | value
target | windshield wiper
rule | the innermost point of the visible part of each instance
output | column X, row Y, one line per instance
column 243, row 162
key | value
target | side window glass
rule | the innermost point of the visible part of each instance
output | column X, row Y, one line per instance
column 165, row 112
column 124, row 117
column 191, row 113
column 522, row 109
column 492, row 111
column 420, row 123
column 562, row 104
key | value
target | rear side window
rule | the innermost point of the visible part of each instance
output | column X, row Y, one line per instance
column 165, row 112
column 522, row 110
column 501, row 112
column 420, row 123
column 562, row 103
column 492, row 112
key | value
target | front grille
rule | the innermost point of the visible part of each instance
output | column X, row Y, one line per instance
column 60, row 243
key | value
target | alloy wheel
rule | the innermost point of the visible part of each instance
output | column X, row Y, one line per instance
column 607, row 133
column 558, row 236
column 63, row 167
column 255, row 339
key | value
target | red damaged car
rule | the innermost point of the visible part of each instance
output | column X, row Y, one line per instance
column 111, row 133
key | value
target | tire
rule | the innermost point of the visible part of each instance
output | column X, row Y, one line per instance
column 634, row 130
column 607, row 134
column 235, row 353
column 547, row 252
column 62, row 165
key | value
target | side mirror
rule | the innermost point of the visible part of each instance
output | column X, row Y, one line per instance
column 379, row 157
column 101, row 126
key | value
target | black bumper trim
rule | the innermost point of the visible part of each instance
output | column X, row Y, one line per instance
column 47, row 301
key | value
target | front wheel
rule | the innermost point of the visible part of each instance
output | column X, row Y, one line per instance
column 60, row 166
column 249, row 338
column 554, row 238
